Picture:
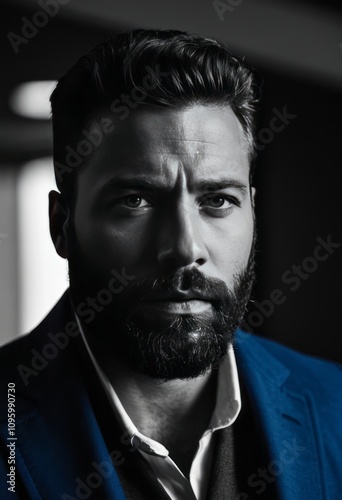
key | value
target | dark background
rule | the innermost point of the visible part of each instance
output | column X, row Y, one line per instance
column 296, row 48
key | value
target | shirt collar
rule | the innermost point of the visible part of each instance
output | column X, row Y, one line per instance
column 226, row 411
column 228, row 396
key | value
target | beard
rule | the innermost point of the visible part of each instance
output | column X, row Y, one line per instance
column 160, row 344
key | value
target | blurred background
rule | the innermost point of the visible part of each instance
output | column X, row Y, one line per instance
column 296, row 45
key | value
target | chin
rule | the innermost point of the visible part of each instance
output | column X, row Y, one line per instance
column 187, row 349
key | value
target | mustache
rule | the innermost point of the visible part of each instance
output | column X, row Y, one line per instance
column 182, row 284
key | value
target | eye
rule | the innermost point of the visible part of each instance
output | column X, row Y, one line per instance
column 217, row 201
column 135, row 201
column 218, row 205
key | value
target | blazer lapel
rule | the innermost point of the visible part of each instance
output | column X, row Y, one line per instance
column 287, row 421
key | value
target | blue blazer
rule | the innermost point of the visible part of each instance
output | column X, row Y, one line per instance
column 59, row 444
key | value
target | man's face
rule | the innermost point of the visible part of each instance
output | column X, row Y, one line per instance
column 166, row 200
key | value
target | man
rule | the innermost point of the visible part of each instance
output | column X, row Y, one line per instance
column 139, row 384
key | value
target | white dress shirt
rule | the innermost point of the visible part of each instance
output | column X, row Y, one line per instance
column 227, row 408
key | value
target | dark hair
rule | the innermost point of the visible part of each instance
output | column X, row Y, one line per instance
column 165, row 68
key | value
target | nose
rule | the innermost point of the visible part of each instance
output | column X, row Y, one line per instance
column 180, row 241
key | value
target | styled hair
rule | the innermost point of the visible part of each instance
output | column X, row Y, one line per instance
column 166, row 68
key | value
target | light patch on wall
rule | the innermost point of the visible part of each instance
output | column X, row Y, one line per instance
column 43, row 274
column 31, row 99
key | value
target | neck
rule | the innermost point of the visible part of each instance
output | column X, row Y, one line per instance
column 153, row 404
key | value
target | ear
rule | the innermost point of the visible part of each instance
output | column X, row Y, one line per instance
column 59, row 218
column 253, row 191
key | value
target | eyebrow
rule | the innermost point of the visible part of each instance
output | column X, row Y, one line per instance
column 148, row 184
column 221, row 183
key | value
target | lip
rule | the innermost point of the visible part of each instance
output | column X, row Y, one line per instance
column 175, row 296
column 179, row 306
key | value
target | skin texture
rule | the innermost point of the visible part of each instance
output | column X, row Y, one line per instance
column 181, row 221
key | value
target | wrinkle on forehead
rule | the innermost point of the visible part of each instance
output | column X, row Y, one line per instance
column 169, row 143
column 212, row 125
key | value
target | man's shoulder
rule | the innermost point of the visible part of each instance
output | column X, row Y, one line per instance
column 306, row 373
column 297, row 360
column 16, row 349
column 285, row 352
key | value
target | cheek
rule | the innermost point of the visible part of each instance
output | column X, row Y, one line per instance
column 231, row 249
column 105, row 246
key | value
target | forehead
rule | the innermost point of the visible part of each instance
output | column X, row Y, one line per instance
column 199, row 140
